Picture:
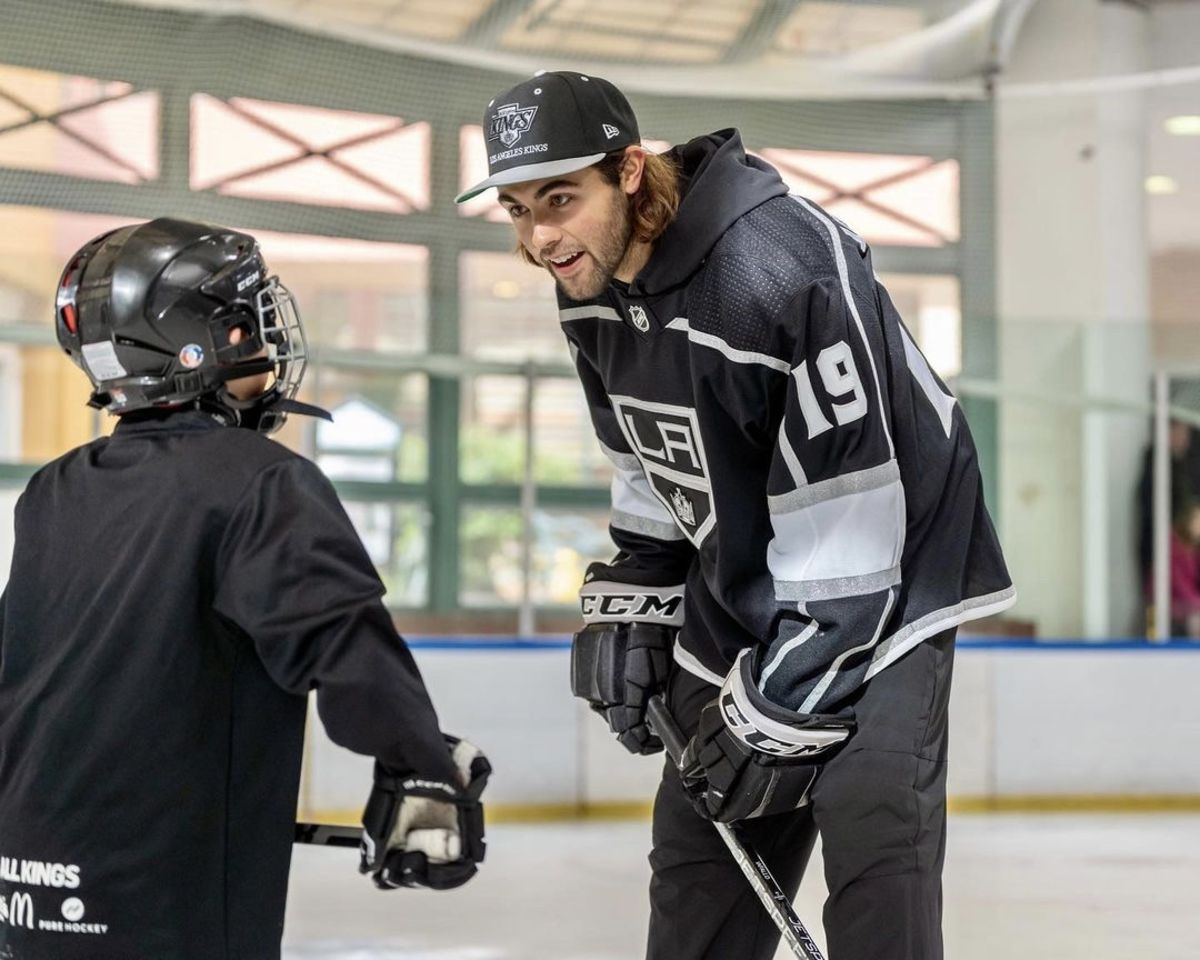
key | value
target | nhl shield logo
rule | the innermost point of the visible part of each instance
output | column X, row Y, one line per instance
column 511, row 122
column 638, row 315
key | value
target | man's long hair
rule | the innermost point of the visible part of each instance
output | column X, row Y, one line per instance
column 653, row 206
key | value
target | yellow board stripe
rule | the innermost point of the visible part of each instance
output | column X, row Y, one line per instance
column 1007, row 803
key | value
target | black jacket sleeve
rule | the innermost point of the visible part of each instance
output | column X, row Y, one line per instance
column 295, row 577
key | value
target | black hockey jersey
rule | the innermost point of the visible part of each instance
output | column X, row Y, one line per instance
column 784, row 455
column 176, row 590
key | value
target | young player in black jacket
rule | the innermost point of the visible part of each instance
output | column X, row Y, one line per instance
column 176, row 591
column 797, row 508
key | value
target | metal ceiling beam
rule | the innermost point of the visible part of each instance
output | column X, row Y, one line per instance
column 761, row 30
column 494, row 22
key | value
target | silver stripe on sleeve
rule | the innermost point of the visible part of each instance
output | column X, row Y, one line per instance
column 769, row 668
column 942, row 402
column 814, row 697
column 731, row 352
column 844, row 275
column 632, row 523
column 622, row 461
column 908, row 636
column 693, row 666
column 859, row 481
column 837, row 588
column 838, row 539
column 791, row 739
column 588, row 313
column 790, row 458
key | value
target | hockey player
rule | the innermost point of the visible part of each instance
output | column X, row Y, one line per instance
column 176, row 591
column 798, row 513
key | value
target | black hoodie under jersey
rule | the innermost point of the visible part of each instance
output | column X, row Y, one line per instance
column 791, row 476
column 176, row 591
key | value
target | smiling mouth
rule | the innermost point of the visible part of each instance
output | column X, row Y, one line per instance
column 565, row 263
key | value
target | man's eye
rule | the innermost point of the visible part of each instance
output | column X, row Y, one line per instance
column 515, row 211
column 559, row 200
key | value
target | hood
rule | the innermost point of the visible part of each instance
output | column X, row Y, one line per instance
column 720, row 184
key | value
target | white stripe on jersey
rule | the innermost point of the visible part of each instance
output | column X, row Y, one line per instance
column 694, row 666
column 811, row 701
column 790, row 458
column 588, row 313
column 844, row 275
column 769, row 668
column 942, row 402
column 737, row 356
column 634, row 506
column 852, row 538
column 907, row 637
column 859, row 481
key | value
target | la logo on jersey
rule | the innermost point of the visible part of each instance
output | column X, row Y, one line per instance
column 666, row 439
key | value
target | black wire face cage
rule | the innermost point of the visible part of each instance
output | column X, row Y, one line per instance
column 282, row 334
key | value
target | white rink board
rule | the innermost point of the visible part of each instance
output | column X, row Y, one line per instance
column 1023, row 721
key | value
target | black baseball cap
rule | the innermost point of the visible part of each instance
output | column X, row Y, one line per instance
column 553, row 124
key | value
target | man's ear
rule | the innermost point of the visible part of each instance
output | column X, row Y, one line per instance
column 633, row 166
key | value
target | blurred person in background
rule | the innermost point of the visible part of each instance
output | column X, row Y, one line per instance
column 798, row 513
column 176, row 591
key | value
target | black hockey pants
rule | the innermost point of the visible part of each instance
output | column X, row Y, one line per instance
column 879, row 805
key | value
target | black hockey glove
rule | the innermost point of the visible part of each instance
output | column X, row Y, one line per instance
column 616, row 668
column 426, row 833
column 752, row 758
column 623, row 655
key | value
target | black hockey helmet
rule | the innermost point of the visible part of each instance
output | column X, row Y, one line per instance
column 147, row 311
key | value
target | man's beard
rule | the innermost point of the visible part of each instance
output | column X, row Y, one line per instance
column 605, row 258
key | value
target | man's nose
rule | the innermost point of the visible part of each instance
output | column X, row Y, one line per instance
column 545, row 237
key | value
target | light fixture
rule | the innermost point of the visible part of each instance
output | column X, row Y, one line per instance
column 1184, row 125
column 1161, row 185
column 506, row 289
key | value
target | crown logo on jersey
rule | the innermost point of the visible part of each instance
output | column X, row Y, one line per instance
column 683, row 507
column 638, row 315
column 510, row 122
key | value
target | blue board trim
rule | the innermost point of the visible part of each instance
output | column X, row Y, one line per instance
column 500, row 643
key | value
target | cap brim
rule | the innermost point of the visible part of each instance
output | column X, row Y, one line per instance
column 530, row 171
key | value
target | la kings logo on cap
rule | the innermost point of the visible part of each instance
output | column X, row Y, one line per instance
column 511, row 122
column 666, row 439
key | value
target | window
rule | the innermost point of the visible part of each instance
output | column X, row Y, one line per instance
column 909, row 201
column 930, row 308
column 60, row 123
column 309, row 155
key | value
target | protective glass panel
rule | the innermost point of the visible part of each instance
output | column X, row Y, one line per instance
column 565, row 448
column 508, row 310
column 489, row 557
column 565, row 542
column 931, row 308
column 492, row 429
column 354, row 294
column 396, row 536
column 379, row 424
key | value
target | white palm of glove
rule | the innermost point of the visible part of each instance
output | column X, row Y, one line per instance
column 431, row 826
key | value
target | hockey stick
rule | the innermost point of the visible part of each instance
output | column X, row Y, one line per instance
column 328, row 835
column 774, row 900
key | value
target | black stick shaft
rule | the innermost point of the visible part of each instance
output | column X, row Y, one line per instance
column 757, row 874
column 328, row 835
